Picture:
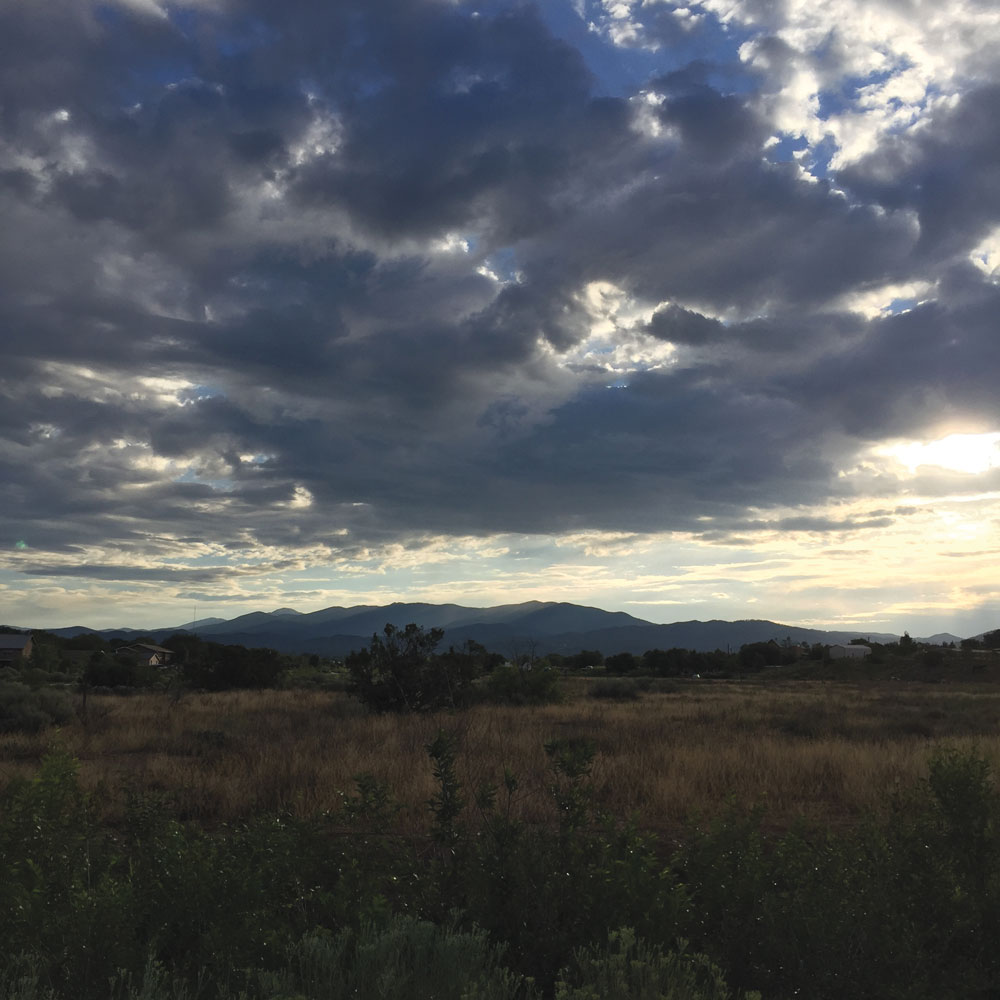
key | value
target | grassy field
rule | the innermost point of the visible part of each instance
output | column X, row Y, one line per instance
column 828, row 752
column 266, row 872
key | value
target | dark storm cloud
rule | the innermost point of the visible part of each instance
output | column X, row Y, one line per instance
column 714, row 126
column 914, row 370
column 740, row 234
column 788, row 334
column 485, row 122
column 682, row 326
column 313, row 275
column 946, row 173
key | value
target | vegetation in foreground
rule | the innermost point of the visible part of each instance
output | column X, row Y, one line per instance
column 336, row 905
column 645, row 837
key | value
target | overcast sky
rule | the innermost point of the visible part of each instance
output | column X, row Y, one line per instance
column 688, row 311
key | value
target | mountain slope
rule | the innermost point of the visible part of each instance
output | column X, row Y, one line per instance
column 536, row 627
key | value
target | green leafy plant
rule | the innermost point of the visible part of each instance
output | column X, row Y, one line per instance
column 628, row 968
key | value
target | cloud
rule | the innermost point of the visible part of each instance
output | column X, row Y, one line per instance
column 291, row 285
column 944, row 173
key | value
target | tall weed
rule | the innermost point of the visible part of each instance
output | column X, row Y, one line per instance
column 406, row 959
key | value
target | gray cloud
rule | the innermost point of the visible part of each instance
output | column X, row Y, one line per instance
column 309, row 275
column 945, row 173
column 131, row 573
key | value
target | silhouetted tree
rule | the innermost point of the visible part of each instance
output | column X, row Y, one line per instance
column 399, row 672
column 621, row 663
column 585, row 658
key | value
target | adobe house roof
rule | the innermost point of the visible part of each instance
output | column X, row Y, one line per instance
column 14, row 641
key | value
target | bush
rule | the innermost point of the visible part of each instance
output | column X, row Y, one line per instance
column 20, row 980
column 628, row 968
column 60, row 898
column 514, row 686
column 106, row 671
column 26, row 711
column 335, row 905
column 407, row 959
column 546, row 891
column 36, row 678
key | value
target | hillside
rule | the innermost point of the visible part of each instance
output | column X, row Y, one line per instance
column 537, row 626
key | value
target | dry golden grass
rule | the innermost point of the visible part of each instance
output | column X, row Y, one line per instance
column 828, row 752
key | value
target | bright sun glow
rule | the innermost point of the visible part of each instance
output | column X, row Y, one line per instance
column 971, row 453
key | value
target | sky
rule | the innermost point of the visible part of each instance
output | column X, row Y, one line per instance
column 690, row 311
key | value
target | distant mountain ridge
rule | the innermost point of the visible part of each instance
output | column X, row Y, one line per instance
column 539, row 627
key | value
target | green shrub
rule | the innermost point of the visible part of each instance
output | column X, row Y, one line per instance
column 904, row 907
column 20, row 980
column 627, row 968
column 544, row 891
column 27, row 711
column 61, row 896
column 37, row 678
column 406, row 959
column 908, row 907
column 515, row 686
column 154, row 983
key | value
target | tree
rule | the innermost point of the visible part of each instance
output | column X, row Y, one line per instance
column 44, row 651
column 991, row 640
column 103, row 670
column 621, row 663
column 675, row 662
column 399, row 672
column 585, row 658
column 757, row 655
column 85, row 641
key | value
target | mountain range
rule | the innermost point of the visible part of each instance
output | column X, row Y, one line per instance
column 538, row 627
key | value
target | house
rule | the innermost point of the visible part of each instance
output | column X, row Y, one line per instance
column 849, row 652
column 14, row 647
column 146, row 654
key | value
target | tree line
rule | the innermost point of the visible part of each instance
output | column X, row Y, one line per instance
column 402, row 669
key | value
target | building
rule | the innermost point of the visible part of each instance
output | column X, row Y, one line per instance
column 14, row 647
column 849, row 652
column 146, row 654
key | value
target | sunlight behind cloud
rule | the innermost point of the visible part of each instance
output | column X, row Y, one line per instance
column 616, row 343
column 855, row 71
column 874, row 302
column 969, row 453
column 986, row 256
